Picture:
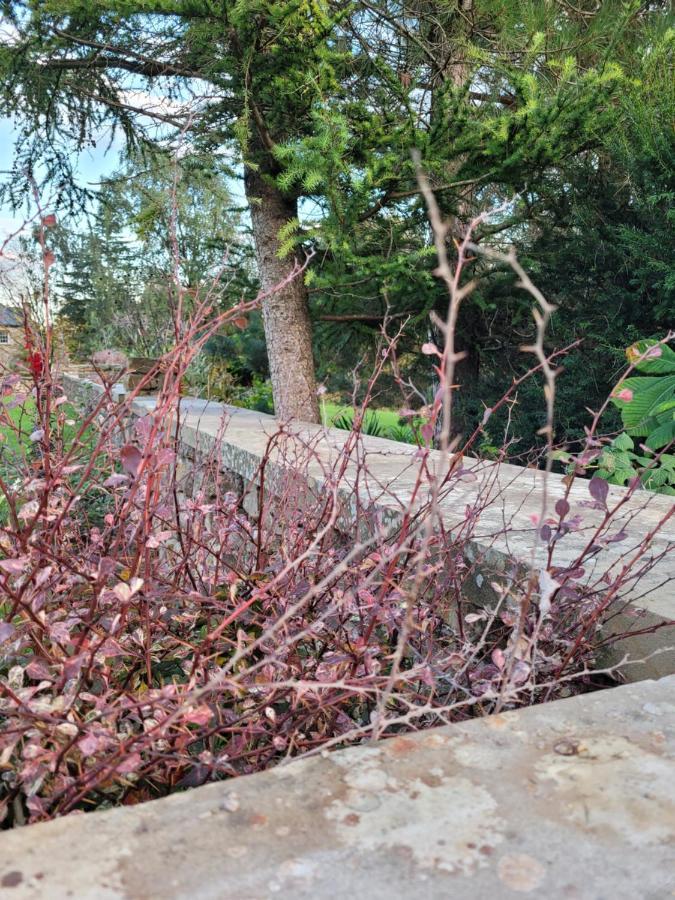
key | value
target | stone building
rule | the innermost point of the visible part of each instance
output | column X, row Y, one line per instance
column 11, row 335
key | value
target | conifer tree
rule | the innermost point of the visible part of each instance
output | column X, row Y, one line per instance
column 319, row 103
column 155, row 221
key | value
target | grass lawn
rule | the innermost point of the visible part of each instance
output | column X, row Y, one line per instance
column 15, row 438
column 387, row 418
column 382, row 422
column 15, row 441
column 19, row 455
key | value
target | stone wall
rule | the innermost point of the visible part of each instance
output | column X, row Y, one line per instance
column 573, row 799
column 391, row 469
column 13, row 350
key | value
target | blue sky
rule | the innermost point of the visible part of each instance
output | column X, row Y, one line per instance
column 92, row 165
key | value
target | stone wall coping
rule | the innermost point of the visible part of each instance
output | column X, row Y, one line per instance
column 572, row 800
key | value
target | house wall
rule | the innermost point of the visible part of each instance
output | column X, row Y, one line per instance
column 13, row 351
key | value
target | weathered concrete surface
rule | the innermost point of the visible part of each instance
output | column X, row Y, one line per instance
column 504, row 534
column 573, row 800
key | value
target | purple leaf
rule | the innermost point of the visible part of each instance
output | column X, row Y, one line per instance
column 598, row 489
column 15, row 566
column 73, row 666
column 520, row 672
column 38, row 669
column 6, row 631
column 131, row 458
column 587, row 457
column 165, row 456
column 91, row 744
column 562, row 507
column 129, row 764
column 116, row 480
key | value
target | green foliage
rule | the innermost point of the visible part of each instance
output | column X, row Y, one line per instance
column 156, row 223
column 619, row 462
column 369, row 424
column 376, row 423
column 597, row 240
column 564, row 117
column 256, row 396
column 647, row 402
column 17, row 422
column 210, row 378
column 404, row 434
column 243, row 351
column 18, row 450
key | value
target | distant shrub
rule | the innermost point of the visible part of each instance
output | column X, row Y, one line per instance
column 369, row 424
column 257, row 396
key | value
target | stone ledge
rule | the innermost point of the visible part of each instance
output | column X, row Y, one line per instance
column 517, row 494
column 572, row 800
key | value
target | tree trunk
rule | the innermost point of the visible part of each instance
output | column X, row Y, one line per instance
column 454, row 67
column 288, row 330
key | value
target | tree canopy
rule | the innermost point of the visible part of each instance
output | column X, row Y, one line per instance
column 552, row 112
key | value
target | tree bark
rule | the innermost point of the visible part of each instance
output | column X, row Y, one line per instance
column 288, row 329
column 449, row 42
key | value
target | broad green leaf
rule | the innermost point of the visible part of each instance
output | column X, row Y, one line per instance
column 661, row 436
column 648, row 393
column 664, row 407
column 623, row 442
column 655, row 478
column 621, row 476
column 663, row 364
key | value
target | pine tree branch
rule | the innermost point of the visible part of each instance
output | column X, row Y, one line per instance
column 118, row 104
column 402, row 195
column 149, row 69
column 164, row 67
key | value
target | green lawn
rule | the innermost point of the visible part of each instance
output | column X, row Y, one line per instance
column 388, row 418
column 15, row 441
column 16, row 437
column 18, row 452
column 382, row 422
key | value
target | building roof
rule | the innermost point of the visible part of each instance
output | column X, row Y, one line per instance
column 10, row 317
